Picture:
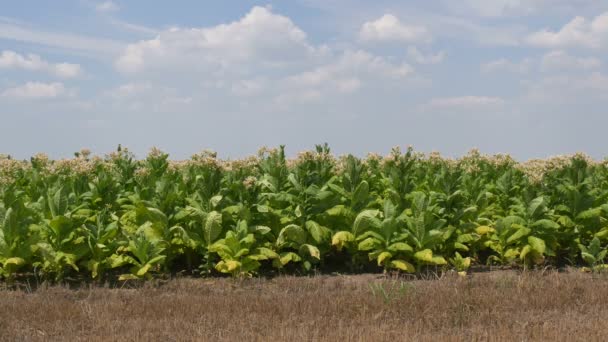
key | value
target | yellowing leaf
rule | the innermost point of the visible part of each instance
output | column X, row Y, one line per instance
column 424, row 256
column 340, row 239
column 403, row 266
column 14, row 261
column 227, row 266
column 483, row 230
column 383, row 256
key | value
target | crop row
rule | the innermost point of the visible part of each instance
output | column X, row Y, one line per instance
column 95, row 217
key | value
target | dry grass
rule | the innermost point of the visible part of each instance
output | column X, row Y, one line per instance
column 502, row 305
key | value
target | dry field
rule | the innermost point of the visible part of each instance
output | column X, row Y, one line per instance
column 500, row 305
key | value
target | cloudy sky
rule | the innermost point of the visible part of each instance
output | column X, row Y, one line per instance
column 526, row 77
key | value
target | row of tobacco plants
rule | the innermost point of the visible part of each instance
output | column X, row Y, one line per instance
column 94, row 217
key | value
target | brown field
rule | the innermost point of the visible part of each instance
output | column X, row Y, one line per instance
column 500, row 305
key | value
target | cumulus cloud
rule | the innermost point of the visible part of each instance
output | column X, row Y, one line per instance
column 579, row 32
column 464, row 102
column 390, row 28
column 350, row 72
column 262, row 55
column 261, row 37
column 504, row 64
column 561, row 60
column 36, row 90
column 414, row 54
column 107, row 6
column 31, row 62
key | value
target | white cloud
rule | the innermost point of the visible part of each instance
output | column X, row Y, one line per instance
column 389, row 28
column 578, row 32
column 260, row 37
column 504, row 64
column 561, row 60
column 107, row 6
column 31, row 62
column 347, row 74
column 129, row 90
column 25, row 33
column 414, row 54
column 67, row 70
column 464, row 102
column 36, row 90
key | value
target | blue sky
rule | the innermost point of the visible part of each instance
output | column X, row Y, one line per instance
column 525, row 77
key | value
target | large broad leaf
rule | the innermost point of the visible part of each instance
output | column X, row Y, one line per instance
column 537, row 245
column 484, row 230
column 14, row 261
column 403, row 266
column 286, row 258
column 319, row 233
column 151, row 231
column 263, row 253
column 383, row 256
column 400, row 247
column 311, row 250
column 536, row 207
column 368, row 244
column 213, row 227
column 340, row 239
column 227, row 266
column 465, row 238
column 519, row 234
column 424, row 256
column 590, row 214
column 292, row 233
column 546, row 224
column 361, row 193
column 61, row 225
column 153, row 215
column 338, row 211
column 367, row 219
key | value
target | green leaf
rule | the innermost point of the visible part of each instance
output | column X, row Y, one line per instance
column 263, row 253
column 292, row 233
column 536, row 206
column 368, row 244
column 365, row 220
column 361, row 193
column 319, row 233
column 286, row 258
column 590, row 214
column 311, row 250
column 213, row 227
column 520, row 233
column 400, row 247
column 537, row 245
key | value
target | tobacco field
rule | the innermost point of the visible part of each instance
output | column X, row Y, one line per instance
column 116, row 216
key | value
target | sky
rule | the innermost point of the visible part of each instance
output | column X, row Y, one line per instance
column 524, row 77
